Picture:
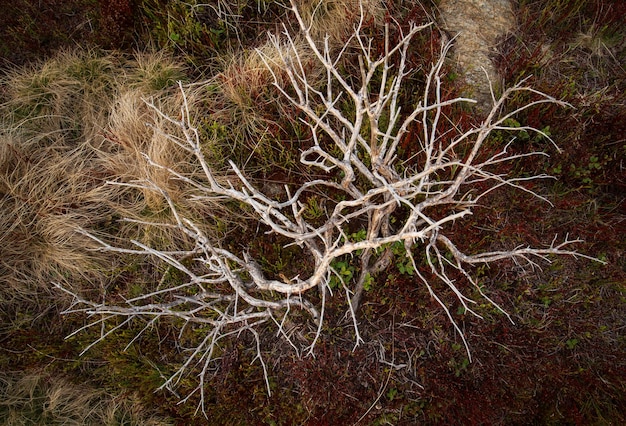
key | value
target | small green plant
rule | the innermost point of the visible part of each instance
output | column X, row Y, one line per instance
column 342, row 274
column 520, row 132
column 461, row 367
column 403, row 262
column 587, row 173
column 179, row 24
column 343, row 267
column 315, row 209
column 368, row 282
column 571, row 343
column 392, row 394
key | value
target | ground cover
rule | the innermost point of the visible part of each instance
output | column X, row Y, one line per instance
column 560, row 361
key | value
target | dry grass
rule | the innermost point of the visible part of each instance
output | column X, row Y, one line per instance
column 243, row 101
column 49, row 187
column 153, row 71
column 137, row 132
column 241, row 92
column 337, row 18
column 242, row 97
column 68, row 126
column 70, row 92
column 45, row 399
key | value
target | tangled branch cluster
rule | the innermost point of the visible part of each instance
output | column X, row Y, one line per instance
column 357, row 125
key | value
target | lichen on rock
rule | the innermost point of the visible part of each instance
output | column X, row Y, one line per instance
column 476, row 26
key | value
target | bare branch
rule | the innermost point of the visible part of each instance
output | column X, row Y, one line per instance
column 228, row 293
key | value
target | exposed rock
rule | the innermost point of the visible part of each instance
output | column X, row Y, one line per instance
column 477, row 24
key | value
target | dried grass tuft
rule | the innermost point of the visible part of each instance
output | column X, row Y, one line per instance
column 337, row 18
column 41, row 398
column 68, row 127
column 136, row 132
column 243, row 99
